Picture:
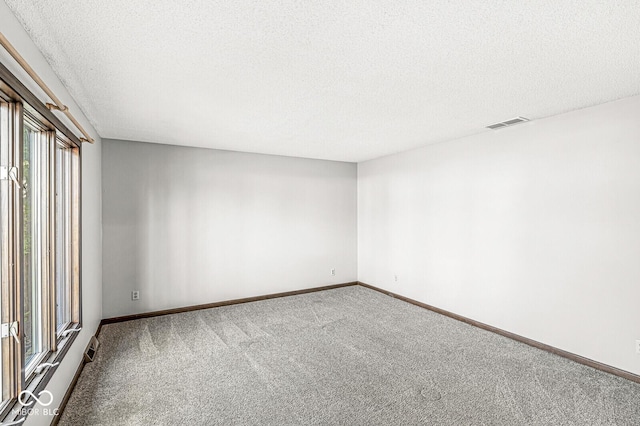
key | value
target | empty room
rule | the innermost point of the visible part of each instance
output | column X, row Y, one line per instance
column 319, row 213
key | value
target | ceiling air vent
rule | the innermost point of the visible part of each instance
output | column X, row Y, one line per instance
column 508, row 123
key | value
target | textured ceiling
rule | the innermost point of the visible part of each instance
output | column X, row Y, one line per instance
column 342, row 80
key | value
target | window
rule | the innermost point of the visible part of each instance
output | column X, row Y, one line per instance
column 9, row 284
column 39, row 243
column 65, row 218
column 35, row 250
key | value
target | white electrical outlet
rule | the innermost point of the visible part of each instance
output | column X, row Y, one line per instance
column 135, row 295
column 395, row 277
column 333, row 272
column 638, row 346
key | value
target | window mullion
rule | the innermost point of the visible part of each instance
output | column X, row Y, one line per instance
column 48, row 252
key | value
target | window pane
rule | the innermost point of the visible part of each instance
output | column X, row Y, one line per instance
column 34, row 216
column 63, row 236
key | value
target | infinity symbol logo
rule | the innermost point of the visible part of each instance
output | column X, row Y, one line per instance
column 21, row 398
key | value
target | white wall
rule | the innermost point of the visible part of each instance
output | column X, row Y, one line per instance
column 188, row 226
column 534, row 229
column 91, row 204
